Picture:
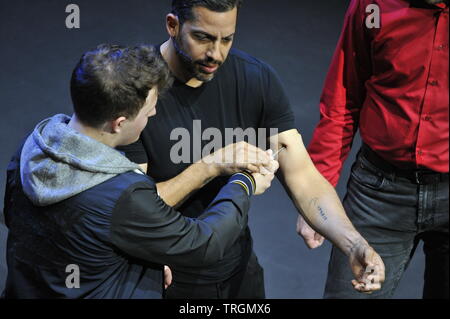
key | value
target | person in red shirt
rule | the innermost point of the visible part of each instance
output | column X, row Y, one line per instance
column 389, row 79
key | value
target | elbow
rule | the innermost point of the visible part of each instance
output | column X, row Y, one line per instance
column 214, row 253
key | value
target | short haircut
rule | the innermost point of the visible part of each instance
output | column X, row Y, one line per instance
column 183, row 8
column 113, row 81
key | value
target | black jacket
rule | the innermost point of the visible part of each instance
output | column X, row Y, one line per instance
column 118, row 233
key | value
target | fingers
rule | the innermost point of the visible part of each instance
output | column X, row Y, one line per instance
column 379, row 267
column 263, row 182
column 312, row 243
column 372, row 272
column 248, row 153
column 374, row 266
column 254, row 168
column 251, row 168
column 273, row 166
column 369, row 284
column 242, row 156
column 264, row 171
column 319, row 238
column 268, row 178
column 299, row 224
column 367, row 288
column 167, row 277
column 310, row 236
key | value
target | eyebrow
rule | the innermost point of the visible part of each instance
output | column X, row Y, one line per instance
column 211, row 36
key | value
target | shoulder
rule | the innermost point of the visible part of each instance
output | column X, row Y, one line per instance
column 248, row 63
column 253, row 70
column 129, row 182
column 132, row 177
column 242, row 57
column 110, row 192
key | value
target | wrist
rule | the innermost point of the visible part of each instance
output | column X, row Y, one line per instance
column 210, row 170
column 246, row 181
column 353, row 243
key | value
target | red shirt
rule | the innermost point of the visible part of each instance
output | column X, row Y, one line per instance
column 391, row 83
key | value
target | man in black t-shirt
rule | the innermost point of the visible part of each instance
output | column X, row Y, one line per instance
column 217, row 92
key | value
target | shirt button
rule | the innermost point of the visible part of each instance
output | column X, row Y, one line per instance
column 419, row 152
column 427, row 118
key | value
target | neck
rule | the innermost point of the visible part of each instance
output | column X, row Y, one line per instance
column 173, row 61
column 97, row 134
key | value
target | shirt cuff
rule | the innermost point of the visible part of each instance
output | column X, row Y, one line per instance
column 246, row 181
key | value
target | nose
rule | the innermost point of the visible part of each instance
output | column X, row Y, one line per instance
column 213, row 52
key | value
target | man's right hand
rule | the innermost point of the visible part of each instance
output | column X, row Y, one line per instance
column 367, row 267
column 238, row 157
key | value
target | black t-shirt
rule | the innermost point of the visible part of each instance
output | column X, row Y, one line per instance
column 245, row 93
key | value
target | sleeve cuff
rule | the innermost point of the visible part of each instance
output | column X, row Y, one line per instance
column 246, row 181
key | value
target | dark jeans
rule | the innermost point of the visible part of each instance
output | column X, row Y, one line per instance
column 247, row 284
column 393, row 214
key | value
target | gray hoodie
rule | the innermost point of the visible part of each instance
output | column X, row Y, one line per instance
column 58, row 162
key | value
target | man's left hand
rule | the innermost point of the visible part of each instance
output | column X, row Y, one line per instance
column 167, row 277
column 312, row 238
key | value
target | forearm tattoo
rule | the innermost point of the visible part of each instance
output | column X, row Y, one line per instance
column 316, row 206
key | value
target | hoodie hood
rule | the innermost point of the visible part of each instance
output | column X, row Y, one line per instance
column 58, row 162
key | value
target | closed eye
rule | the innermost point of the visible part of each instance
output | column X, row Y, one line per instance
column 201, row 37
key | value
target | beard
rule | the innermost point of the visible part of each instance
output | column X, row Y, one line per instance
column 191, row 67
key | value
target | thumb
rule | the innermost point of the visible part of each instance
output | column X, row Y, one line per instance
column 319, row 238
column 311, row 243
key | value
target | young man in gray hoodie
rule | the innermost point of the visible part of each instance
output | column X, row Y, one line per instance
column 84, row 221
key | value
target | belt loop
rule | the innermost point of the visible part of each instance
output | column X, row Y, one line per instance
column 418, row 177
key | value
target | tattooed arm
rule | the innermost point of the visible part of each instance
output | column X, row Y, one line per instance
column 311, row 193
column 316, row 199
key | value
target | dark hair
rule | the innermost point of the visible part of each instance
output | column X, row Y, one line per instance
column 113, row 81
column 183, row 8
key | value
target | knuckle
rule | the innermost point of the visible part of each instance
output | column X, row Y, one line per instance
column 304, row 232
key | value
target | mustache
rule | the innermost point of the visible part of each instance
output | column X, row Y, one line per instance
column 189, row 62
column 209, row 62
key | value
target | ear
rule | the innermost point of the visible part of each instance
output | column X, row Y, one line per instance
column 117, row 124
column 172, row 25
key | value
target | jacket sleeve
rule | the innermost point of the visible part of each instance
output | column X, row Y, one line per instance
column 144, row 227
column 343, row 95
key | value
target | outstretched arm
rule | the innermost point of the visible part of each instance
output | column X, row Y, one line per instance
column 246, row 157
column 177, row 190
column 342, row 97
column 316, row 199
column 145, row 227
